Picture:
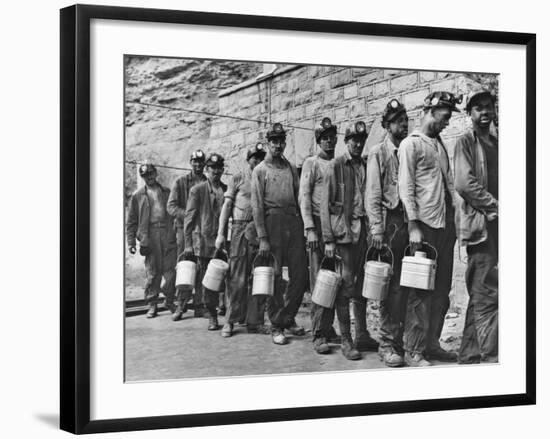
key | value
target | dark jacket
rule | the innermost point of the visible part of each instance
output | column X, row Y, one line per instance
column 180, row 194
column 337, row 200
column 137, row 220
column 202, row 219
column 473, row 200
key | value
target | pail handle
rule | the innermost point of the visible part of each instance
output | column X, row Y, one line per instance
column 379, row 252
column 337, row 263
column 181, row 257
column 271, row 256
column 223, row 253
column 424, row 243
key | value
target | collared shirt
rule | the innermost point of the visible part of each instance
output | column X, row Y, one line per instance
column 424, row 178
column 382, row 191
column 311, row 188
column 273, row 187
column 238, row 191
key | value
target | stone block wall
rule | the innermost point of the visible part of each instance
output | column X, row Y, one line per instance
column 300, row 96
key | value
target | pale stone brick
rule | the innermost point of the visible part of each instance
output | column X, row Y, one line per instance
column 405, row 82
column 350, row 91
column 376, row 107
column 341, row 114
column 303, row 97
column 340, row 78
column 322, row 84
column 381, row 88
column 446, row 85
column 426, row 76
column 357, row 108
column 369, row 77
column 367, row 91
column 415, row 99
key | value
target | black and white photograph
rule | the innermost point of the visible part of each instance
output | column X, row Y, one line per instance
column 301, row 219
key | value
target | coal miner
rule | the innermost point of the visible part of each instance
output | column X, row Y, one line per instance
column 202, row 216
column 280, row 230
column 476, row 182
column 344, row 226
column 176, row 207
column 426, row 190
column 243, row 307
column 388, row 227
column 149, row 222
column 311, row 188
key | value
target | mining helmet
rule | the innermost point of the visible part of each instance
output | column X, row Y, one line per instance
column 198, row 155
column 276, row 131
column 393, row 109
column 257, row 150
column 215, row 160
column 477, row 93
column 356, row 129
column 325, row 127
column 442, row 99
column 146, row 169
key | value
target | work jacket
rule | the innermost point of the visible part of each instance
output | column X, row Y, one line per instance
column 179, row 195
column 473, row 199
column 137, row 220
column 382, row 193
column 311, row 189
column 337, row 200
column 202, row 216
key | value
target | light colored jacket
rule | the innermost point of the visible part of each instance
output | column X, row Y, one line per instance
column 474, row 201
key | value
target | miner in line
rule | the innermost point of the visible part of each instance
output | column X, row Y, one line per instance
column 149, row 223
column 426, row 190
column 177, row 203
column 476, row 182
column 388, row 228
column 202, row 218
column 311, row 188
column 242, row 306
column 344, row 226
column 275, row 209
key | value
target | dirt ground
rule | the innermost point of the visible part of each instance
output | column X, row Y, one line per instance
column 160, row 349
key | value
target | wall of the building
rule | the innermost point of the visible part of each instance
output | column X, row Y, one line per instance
column 300, row 96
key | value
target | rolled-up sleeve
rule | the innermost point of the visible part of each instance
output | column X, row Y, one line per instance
column 307, row 181
column 257, row 201
column 465, row 182
column 373, row 194
column 407, row 178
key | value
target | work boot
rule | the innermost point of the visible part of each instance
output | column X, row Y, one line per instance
column 227, row 330
column 391, row 357
column 320, row 345
column 213, row 322
column 364, row 342
column 348, row 349
column 294, row 329
column 440, row 354
column 278, row 337
column 258, row 329
column 416, row 360
column 222, row 310
column 177, row 313
column 152, row 312
column 170, row 306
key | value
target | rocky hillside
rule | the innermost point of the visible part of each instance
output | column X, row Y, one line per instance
column 166, row 136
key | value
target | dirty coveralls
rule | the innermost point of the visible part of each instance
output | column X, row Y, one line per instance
column 177, row 201
column 149, row 223
column 277, row 218
column 201, row 227
column 386, row 216
column 426, row 190
column 344, row 222
column 243, row 249
column 476, row 182
column 311, row 188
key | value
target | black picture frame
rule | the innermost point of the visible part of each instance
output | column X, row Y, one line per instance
column 75, row 216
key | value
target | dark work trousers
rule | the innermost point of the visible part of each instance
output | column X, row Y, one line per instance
column 353, row 260
column 286, row 238
column 184, row 295
column 480, row 338
column 321, row 317
column 394, row 308
column 426, row 309
column 160, row 263
column 242, row 305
